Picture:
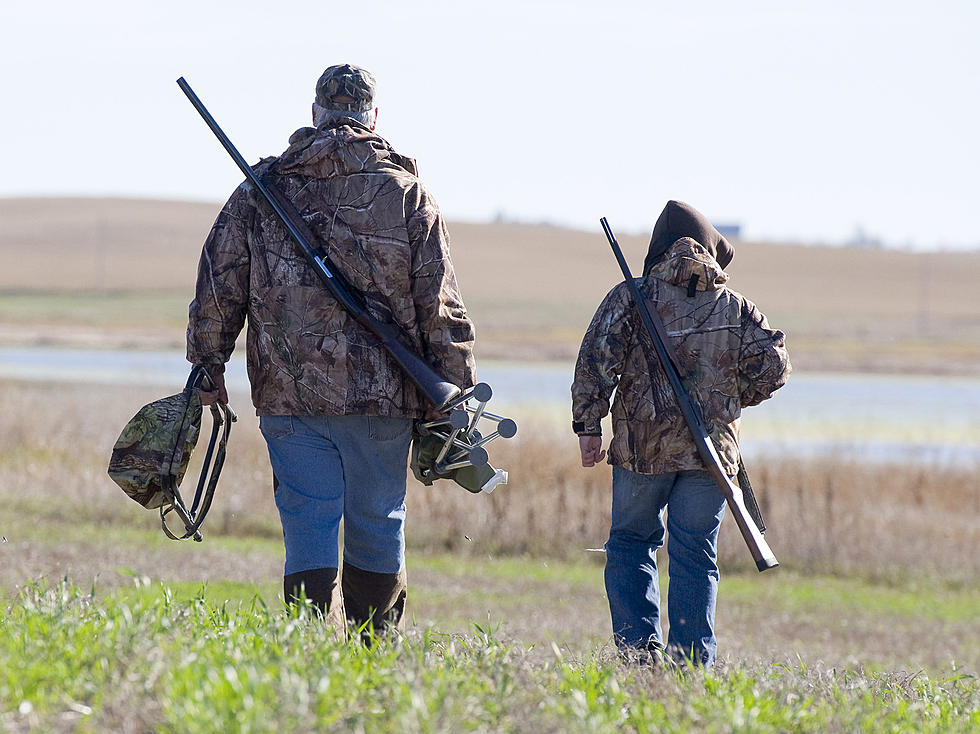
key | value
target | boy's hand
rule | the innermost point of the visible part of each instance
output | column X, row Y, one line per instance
column 591, row 448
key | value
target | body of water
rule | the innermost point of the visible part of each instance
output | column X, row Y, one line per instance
column 871, row 417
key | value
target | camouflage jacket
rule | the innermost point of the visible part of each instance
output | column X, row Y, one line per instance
column 384, row 233
column 729, row 358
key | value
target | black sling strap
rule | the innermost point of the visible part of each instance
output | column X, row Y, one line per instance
column 222, row 416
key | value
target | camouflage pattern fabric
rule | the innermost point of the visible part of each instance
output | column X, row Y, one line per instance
column 155, row 446
column 729, row 355
column 385, row 235
column 345, row 80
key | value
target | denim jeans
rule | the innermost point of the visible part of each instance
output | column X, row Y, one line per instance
column 327, row 468
column 694, row 508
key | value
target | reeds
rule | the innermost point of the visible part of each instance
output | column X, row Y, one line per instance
column 882, row 520
column 823, row 514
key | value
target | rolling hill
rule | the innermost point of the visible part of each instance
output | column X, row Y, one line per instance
column 121, row 271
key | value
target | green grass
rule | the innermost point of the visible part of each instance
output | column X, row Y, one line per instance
column 163, row 660
column 511, row 328
column 217, row 593
column 537, row 599
column 808, row 594
column 147, row 647
column 800, row 652
column 788, row 594
column 782, row 591
column 124, row 524
column 138, row 308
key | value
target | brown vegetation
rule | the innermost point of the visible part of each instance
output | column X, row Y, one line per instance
column 824, row 515
column 874, row 520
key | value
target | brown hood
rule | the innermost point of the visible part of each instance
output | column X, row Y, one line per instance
column 338, row 150
column 679, row 220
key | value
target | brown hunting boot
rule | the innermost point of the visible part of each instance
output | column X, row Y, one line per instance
column 374, row 601
column 321, row 588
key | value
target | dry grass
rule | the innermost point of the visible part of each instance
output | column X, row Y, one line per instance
column 531, row 289
column 873, row 520
column 90, row 244
column 823, row 515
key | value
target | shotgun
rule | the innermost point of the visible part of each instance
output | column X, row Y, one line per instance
column 440, row 393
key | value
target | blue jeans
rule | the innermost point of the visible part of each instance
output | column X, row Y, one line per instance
column 695, row 507
column 351, row 467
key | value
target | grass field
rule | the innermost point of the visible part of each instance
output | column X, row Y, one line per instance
column 869, row 624
column 121, row 272
column 105, row 625
column 183, row 661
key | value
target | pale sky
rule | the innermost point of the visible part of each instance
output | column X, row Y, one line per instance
column 798, row 120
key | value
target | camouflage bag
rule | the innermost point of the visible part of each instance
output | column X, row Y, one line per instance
column 150, row 457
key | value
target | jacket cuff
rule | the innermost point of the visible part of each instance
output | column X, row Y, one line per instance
column 586, row 429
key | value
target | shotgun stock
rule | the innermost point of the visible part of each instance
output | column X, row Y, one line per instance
column 761, row 553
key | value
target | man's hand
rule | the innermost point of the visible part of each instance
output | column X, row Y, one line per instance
column 591, row 448
column 433, row 414
column 218, row 395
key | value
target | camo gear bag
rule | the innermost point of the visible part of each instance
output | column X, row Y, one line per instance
column 150, row 457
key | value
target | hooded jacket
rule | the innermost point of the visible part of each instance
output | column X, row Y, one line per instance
column 383, row 232
column 729, row 358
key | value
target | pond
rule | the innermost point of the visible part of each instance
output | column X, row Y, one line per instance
column 921, row 419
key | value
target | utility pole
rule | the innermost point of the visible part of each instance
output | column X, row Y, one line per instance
column 925, row 276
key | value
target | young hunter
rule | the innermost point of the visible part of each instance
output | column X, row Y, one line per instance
column 731, row 359
column 334, row 408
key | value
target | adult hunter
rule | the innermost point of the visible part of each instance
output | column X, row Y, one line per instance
column 334, row 408
column 731, row 359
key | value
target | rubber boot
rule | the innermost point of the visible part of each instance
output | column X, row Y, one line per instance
column 375, row 602
column 321, row 588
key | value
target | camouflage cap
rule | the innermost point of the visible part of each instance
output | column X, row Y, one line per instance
column 346, row 80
